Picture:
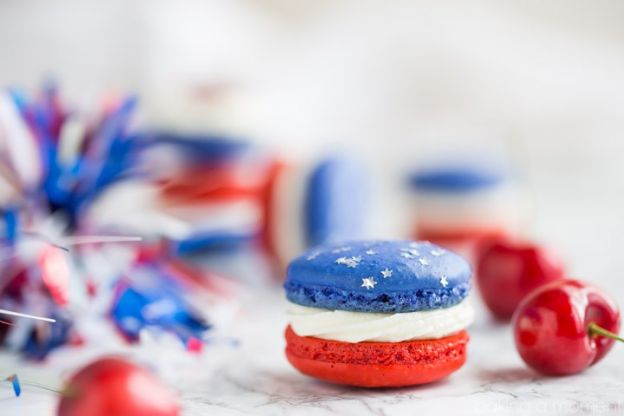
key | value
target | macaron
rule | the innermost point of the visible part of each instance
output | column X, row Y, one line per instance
column 221, row 202
column 199, row 192
column 308, row 205
column 459, row 204
column 378, row 313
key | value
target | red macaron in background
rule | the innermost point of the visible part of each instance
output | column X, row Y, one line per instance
column 313, row 202
column 459, row 202
column 270, row 218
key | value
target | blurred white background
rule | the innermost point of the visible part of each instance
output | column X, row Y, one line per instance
column 392, row 81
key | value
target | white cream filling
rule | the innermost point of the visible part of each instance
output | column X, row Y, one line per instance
column 138, row 207
column 288, row 203
column 502, row 206
column 349, row 326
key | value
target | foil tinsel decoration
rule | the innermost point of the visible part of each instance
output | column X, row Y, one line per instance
column 55, row 166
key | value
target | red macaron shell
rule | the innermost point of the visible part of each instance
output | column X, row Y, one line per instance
column 211, row 184
column 467, row 233
column 377, row 364
column 276, row 169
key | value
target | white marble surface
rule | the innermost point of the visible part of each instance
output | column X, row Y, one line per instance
column 255, row 378
column 563, row 116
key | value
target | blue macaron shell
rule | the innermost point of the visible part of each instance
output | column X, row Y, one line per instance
column 378, row 276
column 202, row 148
column 215, row 240
column 455, row 178
column 336, row 201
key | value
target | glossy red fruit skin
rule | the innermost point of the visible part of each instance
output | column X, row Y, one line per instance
column 115, row 386
column 551, row 327
column 507, row 271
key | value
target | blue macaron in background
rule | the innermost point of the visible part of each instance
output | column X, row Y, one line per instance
column 465, row 177
column 378, row 276
column 336, row 201
column 199, row 148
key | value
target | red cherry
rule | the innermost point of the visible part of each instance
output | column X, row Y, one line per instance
column 565, row 326
column 115, row 386
column 507, row 271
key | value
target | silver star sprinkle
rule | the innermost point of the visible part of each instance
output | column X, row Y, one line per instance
column 386, row 273
column 341, row 249
column 407, row 255
column 436, row 253
column 368, row 282
column 423, row 261
column 313, row 255
column 443, row 281
column 411, row 251
column 351, row 262
column 371, row 252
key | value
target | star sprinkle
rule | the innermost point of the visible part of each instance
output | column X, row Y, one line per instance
column 444, row 282
column 411, row 251
column 423, row 261
column 369, row 283
column 341, row 249
column 313, row 255
column 436, row 253
column 386, row 273
column 351, row 262
column 371, row 252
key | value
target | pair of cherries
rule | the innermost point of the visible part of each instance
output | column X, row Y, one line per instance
column 561, row 326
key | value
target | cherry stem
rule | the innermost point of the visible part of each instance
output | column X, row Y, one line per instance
column 41, row 386
column 35, row 384
column 595, row 329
